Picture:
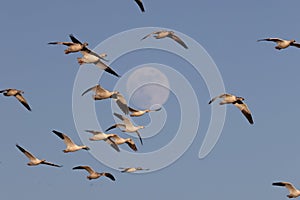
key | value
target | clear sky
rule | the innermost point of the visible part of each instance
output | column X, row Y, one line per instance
column 246, row 159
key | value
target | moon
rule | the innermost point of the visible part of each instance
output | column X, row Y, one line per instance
column 148, row 86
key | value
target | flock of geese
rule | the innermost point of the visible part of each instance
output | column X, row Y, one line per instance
column 100, row 93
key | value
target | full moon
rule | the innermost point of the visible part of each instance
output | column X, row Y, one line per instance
column 148, row 87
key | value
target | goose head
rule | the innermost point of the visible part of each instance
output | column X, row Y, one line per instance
column 85, row 148
column 85, row 44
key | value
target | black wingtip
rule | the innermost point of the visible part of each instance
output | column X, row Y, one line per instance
column 109, row 70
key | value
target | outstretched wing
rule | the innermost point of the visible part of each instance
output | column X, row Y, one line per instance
column 23, row 101
column 139, row 137
column 271, row 39
column 106, row 68
column 87, row 168
column 74, row 39
column 295, row 44
column 245, row 110
column 288, row 185
column 178, row 40
column 148, row 35
column 27, row 153
column 122, row 103
column 51, row 164
column 108, row 175
column 64, row 137
column 140, row 4
column 90, row 89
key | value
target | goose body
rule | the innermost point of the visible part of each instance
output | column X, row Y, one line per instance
column 237, row 101
column 93, row 174
column 98, row 135
column 18, row 94
column 128, row 126
column 294, row 192
column 132, row 169
column 281, row 43
column 101, row 93
column 90, row 57
column 74, row 46
column 138, row 113
column 165, row 34
column 33, row 161
column 71, row 146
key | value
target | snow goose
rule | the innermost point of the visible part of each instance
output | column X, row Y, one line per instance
column 119, row 140
column 137, row 113
column 293, row 191
column 132, row 169
column 140, row 4
column 101, row 93
column 237, row 101
column 91, row 57
column 74, row 46
column 18, row 94
column 98, row 135
column 33, row 161
column 164, row 34
column 281, row 44
column 93, row 174
column 129, row 127
column 71, row 146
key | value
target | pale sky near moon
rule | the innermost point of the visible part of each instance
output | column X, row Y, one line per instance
column 148, row 87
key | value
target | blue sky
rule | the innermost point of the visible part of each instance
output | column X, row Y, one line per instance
column 246, row 156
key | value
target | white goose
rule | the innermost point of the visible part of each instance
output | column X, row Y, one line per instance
column 93, row 174
column 71, row 146
column 129, row 127
column 164, row 34
column 140, row 4
column 98, row 135
column 18, row 94
column 33, row 161
column 91, row 57
column 293, row 191
column 119, row 140
column 132, row 169
column 74, row 46
column 237, row 101
column 101, row 93
column 137, row 113
column 281, row 43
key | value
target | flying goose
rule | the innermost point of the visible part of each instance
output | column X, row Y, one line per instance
column 164, row 34
column 33, row 161
column 131, row 169
column 93, row 174
column 137, row 113
column 91, row 57
column 71, row 146
column 293, row 191
column 18, row 94
column 129, row 127
column 237, row 101
column 74, row 46
column 281, row 44
column 140, row 4
column 97, row 135
column 101, row 93
column 119, row 140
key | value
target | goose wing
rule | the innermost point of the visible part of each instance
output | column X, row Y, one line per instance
column 23, row 101
column 140, row 4
column 106, row 68
column 27, row 153
column 132, row 109
column 108, row 175
column 132, row 145
column 93, row 132
column 87, row 168
column 121, row 102
column 271, row 39
column 1, row 91
column 94, row 88
column 148, row 35
column 245, row 110
column 64, row 137
column 112, row 143
column 63, row 43
column 74, row 39
column 288, row 185
column 178, row 40
column 220, row 96
column 139, row 135
column 51, row 164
